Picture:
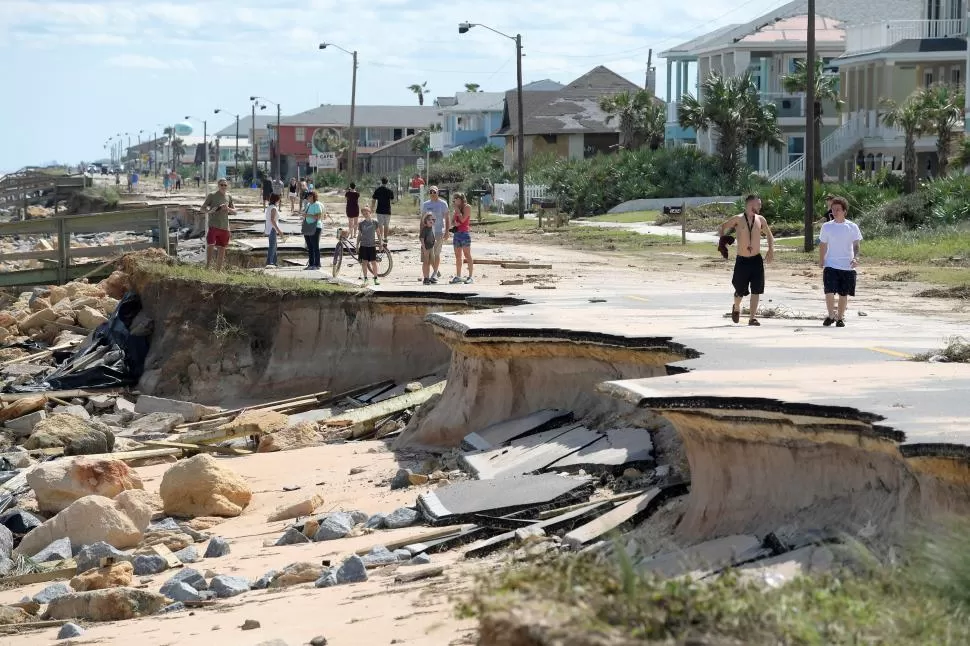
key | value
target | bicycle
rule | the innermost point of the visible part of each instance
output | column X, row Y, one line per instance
column 385, row 262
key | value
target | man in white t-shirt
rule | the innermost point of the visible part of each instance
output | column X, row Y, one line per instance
column 838, row 256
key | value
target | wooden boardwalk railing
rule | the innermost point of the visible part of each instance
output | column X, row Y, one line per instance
column 59, row 266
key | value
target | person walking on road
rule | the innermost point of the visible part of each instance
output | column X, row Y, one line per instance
column 311, row 229
column 838, row 256
column 367, row 245
column 353, row 209
column 749, row 266
column 439, row 209
column 218, row 206
column 267, row 186
column 428, row 243
column 463, row 238
column 381, row 204
column 272, row 228
column 293, row 194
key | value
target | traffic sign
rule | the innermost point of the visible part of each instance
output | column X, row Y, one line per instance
column 420, row 163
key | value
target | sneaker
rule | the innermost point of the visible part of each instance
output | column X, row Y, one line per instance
column 828, row 321
column 270, row 266
column 754, row 322
column 469, row 280
column 433, row 280
column 427, row 281
column 456, row 280
column 840, row 323
column 437, row 274
column 376, row 282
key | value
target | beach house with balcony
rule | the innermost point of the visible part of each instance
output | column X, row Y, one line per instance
column 768, row 48
column 468, row 120
column 891, row 59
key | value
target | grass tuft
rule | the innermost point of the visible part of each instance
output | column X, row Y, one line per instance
column 901, row 276
column 956, row 350
column 240, row 278
column 957, row 291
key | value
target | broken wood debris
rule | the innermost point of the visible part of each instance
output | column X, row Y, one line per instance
column 419, row 574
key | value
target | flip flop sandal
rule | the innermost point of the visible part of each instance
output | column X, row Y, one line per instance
column 735, row 315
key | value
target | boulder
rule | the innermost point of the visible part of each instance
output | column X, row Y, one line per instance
column 303, row 507
column 6, row 542
column 216, row 548
column 73, row 409
column 37, row 319
column 200, row 486
column 58, row 483
column 116, row 285
column 352, row 570
column 255, row 422
column 56, row 550
column 51, row 592
column 89, row 556
column 291, row 536
column 24, row 425
column 263, row 582
column 110, row 576
column 155, row 424
column 376, row 522
column 191, row 577
column 378, row 556
column 10, row 616
column 69, row 630
column 296, row 436
column 334, row 526
column 19, row 521
column 7, row 319
column 401, row 517
column 86, row 521
column 187, row 554
column 90, row 318
column 77, row 436
column 226, row 586
column 328, row 580
column 57, row 294
column 37, row 303
column 140, row 505
column 296, row 573
column 180, row 591
column 147, row 564
column 174, row 541
column 113, row 604
column 189, row 411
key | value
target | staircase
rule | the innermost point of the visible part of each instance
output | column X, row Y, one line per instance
column 846, row 137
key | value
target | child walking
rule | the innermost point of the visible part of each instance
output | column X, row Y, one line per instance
column 428, row 242
column 367, row 244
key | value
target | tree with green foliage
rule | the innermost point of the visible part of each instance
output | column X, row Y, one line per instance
column 911, row 117
column 420, row 90
column 962, row 158
column 641, row 118
column 826, row 89
column 732, row 111
column 943, row 109
column 178, row 149
column 472, row 87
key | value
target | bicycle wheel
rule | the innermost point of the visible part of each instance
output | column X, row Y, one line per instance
column 338, row 258
column 385, row 261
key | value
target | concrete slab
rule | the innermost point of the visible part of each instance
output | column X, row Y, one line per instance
column 700, row 560
column 778, row 570
column 617, row 447
column 530, row 454
column 484, row 464
column 503, row 432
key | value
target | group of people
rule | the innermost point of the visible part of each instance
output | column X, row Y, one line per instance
column 838, row 256
column 172, row 181
column 437, row 223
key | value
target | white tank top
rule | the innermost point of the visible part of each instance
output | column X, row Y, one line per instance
column 269, row 218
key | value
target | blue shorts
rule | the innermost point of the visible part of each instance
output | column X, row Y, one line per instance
column 462, row 239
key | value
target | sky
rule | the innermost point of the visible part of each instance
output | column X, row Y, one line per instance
column 76, row 72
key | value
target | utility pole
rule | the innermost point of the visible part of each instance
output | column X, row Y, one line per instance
column 353, row 133
column 235, row 168
column 810, row 131
column 521, row 146
column 255, row 148
column 279, row 168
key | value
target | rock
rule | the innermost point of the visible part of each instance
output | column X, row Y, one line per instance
column 57, row 550
column 190, row 412
column 352, row 570
column 217, row 547
column 296, row 436
column 310, row 528
column 524, row 534
column 38, row 303
column 116, row 285
column 296, row 573
column 263, row 582
column 327, row 580
column 357, row 470
column 420, row 559
column 146, row 564
column 334, row 526
column 6, row 565
column 19, row 522
column 10, row 615
column 72, row 409
column 319, row 640
column 378, row 556
column 303, row 507
column 69, row 630
column 77, row 436
column 24, row 425
column 418, row 479
column 250, row 624
column 402, row 554
column 401, row 517
column 122, row 405
column 6, row 542
column 198, row 537
column 255, row 422
column 155, row 424
column 57, row 294
column 139, row 505
column 90, row 318
column 166, row 524
column 102, row 402
column 202, row 523
column 413, row 386
column 17, row 457
column 174, row 541
column 178, row 606
column 37, row 319
column 187, row 554
column 192, row 577
column 58, row 483
column 90, row 556
column 110, row 576
column 228, row 586
column 86, row 521
column 375, row 522
column 292, row 536
column 402, row 480
column 359, row 517
column 51, row 592
column 113, row 604
column 180, row 591
column 200, row 486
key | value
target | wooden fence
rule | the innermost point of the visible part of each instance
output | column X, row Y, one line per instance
column 59, row 263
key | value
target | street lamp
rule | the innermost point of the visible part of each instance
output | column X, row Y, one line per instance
column 235, row 168
column 353, row 105
column 463, row 28
column 262, row 98
column 205, row 148
column 140, row 169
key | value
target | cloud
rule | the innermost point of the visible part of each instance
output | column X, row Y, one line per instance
column 138, row 61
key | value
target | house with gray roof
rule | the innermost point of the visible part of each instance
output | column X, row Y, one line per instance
column 565, row 120
column 468, row 120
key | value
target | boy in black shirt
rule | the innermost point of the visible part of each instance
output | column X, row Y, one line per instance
column 381, row 204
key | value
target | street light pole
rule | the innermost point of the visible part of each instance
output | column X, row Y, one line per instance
column 352, row 153
column 520, row 143
column 255, row 149
column 262, row 98
column 205, row 150
column 810, row 131
column 236, row 164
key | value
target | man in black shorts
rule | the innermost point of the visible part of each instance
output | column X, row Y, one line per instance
column 381, row 205
column 838, row 256
column 749, row 266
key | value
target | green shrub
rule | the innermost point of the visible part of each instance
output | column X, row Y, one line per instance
column 784, row 202
column 329, row 179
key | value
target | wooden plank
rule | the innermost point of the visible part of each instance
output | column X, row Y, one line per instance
column 170, row 558
column 125, row 456
column 202, row 448
column 62, row 394
column 14, row 629
column 419, row 574
column 433, row 534
column 28, row 255
column 487, row 261
column 63, row 572
column 365, row 418
column 551, row 524
column 614, row 499
column 111, row 250
column 628, row 511
column 265, row 406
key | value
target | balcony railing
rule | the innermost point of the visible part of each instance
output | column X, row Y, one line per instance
column 879, row 35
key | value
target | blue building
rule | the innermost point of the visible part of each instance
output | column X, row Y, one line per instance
column 469, row 120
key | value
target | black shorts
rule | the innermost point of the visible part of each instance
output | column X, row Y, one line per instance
column 366, row 254
column 749, row 271
column 839, row 281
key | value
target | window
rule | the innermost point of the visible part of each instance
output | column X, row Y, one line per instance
column 927, row 78
column 792, row 62
column 410, row 131
column 301, row 134
column 955, row 75
column 796, row 148
column 550, row 139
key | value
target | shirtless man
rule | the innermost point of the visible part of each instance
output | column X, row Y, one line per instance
column 749, row 267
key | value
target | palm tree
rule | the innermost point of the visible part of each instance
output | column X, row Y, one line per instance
column 962, row 158
column 911, row 117
column 178, row 149
column 826, row 89
column 732, row 110
column 420, row 90
column 472, row 87
column 943, row 108
column 641, row 118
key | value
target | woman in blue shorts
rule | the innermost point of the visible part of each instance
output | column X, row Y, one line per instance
column 462, row 222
